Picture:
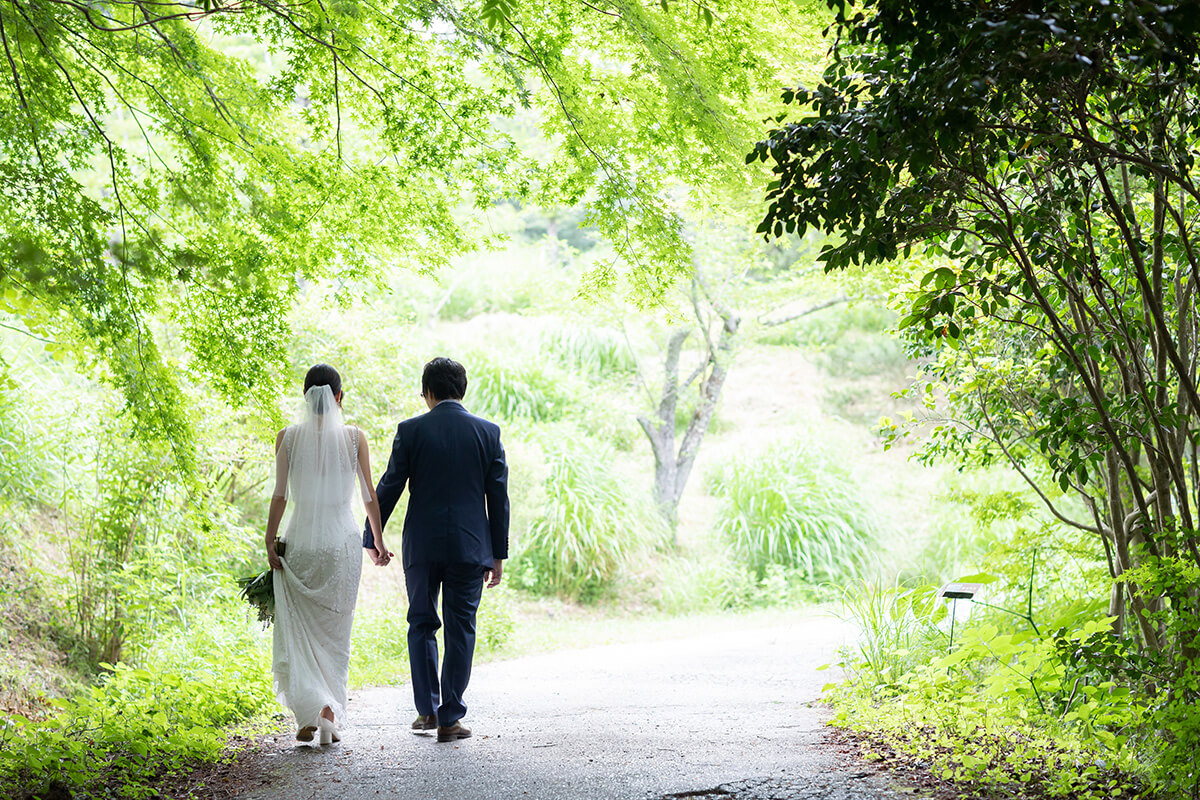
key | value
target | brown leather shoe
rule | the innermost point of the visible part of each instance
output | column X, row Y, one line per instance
column 453, row 733
column 306, row 734
column 424, row 722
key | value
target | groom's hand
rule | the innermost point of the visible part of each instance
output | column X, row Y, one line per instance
column 494, row 574
column 380, row 557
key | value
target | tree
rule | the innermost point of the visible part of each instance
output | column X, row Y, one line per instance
column 732, row 274
column 1042, row 157
column 150, row 174
column 673, row 467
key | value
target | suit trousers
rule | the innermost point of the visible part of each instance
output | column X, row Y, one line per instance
column 461, row 586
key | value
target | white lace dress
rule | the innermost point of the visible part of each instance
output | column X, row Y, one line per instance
column 316, row 590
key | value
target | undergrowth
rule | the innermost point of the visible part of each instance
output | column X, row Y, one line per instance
column 1032, row 694
column 138, row 724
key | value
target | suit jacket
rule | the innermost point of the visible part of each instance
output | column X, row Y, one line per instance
column 457, row 479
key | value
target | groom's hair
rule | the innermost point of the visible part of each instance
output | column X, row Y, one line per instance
column 323, row 375
column 444, row 379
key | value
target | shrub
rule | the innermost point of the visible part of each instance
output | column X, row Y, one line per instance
column 1067, row 709
column 796, row 507
column 1003, row 711
column 588, row 527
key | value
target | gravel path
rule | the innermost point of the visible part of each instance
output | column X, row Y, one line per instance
column 716, row 715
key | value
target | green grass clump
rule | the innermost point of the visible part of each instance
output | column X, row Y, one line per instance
column 796, row 507
column 587, row 529
column 899, row 628
column 527, row 393
column 593, row 351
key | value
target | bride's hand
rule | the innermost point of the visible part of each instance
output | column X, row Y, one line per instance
column 273, row 560
column 381, row 557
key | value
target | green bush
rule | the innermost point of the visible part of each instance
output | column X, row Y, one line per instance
column 1037, row 697
column 797, row 507
column 1003, row 711
column 588, row 527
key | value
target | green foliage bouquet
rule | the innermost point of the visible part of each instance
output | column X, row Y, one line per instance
column 259, row 591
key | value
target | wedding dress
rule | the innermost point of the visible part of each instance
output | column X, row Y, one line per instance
column 316, row 468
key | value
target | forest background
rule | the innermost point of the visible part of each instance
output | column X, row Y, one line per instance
column 202, row 201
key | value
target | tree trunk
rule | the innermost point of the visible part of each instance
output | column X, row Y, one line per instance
column 673, row 468
column 661, row 433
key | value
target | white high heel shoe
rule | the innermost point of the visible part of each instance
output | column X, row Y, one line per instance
column 327, row 731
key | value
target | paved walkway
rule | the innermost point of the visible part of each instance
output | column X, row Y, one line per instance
column 715, row 715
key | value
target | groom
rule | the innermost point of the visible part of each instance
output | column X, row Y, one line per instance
column 455, row 536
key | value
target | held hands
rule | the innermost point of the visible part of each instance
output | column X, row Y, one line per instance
column 381, row 556
column 494, row 574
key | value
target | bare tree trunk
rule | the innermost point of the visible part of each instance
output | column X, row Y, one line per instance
column 672, row 467
column 661, row 433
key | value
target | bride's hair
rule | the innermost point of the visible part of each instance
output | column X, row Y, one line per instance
column 323, row 375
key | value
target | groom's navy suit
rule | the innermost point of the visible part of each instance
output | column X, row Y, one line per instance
column 455, row 529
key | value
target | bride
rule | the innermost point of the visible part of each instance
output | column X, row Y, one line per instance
column 317, row 462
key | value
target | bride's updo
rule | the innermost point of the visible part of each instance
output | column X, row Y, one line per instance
column 323, row 375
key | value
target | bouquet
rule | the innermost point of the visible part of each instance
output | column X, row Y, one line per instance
column 259, row 590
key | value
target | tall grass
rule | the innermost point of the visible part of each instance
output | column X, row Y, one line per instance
column 587, row 529
column 594, row 351
column 898, row 629
column 529, row 392
column 795, row 506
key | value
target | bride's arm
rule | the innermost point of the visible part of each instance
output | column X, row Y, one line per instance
column 371, row 501
column 278, row 502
